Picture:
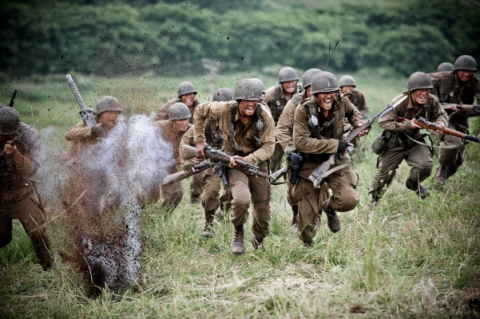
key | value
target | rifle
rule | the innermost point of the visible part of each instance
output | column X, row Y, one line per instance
column 276, row 175
column 12, row 100
column 18, row 137
column 217, row 155
column 449, row 106
column 322, row 171
column 175, row 177
column 88, row 115
column 433, row 127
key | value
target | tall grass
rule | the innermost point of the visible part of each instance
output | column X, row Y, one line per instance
column 405, row 257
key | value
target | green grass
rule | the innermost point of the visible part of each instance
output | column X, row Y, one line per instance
column 404, row 258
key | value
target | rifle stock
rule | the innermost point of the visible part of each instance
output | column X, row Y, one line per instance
column 178, row 176
column 449, row 106
column 276, row 175
column 323, row 170
column 433, row 127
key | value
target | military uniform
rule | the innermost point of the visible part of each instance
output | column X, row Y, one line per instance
column 317, row 144
column 172, row 193
column 257, row 147
column 400, row 147
column 358, row 99
column 162, row 113
column 449, row 90
column 19, row 198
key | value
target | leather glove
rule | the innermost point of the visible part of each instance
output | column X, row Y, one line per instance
column 342, row 146
column 98, row 131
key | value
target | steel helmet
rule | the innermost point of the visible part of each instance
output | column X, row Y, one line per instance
column 324, row 82
column 179, row 111
column 248, row 89
column 419, row 80
column 287, row 74
column 186, row 88
column 108, row 103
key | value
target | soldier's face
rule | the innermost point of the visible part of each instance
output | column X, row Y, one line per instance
column 308, row 91
column 108, row 118
column 180, row 125
column 247, row 108
column 325, row 100
column 290, row 87
column 419, row 97
column 464, row 76
column 188, row 99
column 347, row 89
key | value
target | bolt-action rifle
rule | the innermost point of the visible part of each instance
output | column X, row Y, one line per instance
column 216, row 155
column 88, row 115
column 322, row 171
column 12, row 100
column 449, row 106
column 433, row 127
column 191, row 170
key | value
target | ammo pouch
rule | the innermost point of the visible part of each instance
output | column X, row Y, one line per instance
column 380, row 144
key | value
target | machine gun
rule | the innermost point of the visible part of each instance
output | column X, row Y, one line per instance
column 433, row 127
column 191, row 170
column 88, row 115
column 322, row 171
column 216, row 155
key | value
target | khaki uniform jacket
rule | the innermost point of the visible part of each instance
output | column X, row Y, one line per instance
column 162, row 113
column 16, row 170
column 431, row 111
column 80, row 136
column 305, row 143
column 220, row 112
column 284, row 129
column 449, row 90
column 272, row 95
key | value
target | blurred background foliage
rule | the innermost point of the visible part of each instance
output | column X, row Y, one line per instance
column 123, row 37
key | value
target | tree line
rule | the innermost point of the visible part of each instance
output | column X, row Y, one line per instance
column 134, row 36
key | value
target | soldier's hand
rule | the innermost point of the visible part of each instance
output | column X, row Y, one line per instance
column 413, row 125
column 342, row 146
column 364, row 132
column 200, row 147
column 440, row 126
column 10, row 148
column 233, row 158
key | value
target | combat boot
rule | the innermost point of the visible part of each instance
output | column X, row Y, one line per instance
column 417, row 188
column 333, row 221
column 207, row 230
column 441, row 175
column 237, row 241
column 257, row 242
column 294, row 216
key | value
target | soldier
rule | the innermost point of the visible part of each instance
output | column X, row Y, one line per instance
column 173, row 130
column 19, row 147
column 347, row 88
column 317, row 133
column 283, row 134
column 108, row 109
column 402, row 137
column 250, row 137
column 458, row 86
column 276, row 98
column 445, row 66
column 186, row 94
column 211, row 200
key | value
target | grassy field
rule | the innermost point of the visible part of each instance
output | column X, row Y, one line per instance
column 405, row 258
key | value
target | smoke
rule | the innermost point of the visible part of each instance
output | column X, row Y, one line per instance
column 102, row 194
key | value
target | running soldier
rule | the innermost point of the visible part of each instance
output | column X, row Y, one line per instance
column 186, row 93
column 403, row 137
column 173, row 130
column 19, row 151
column 457, row 87
column 317, row 133
column 283, row 134
column 211, row 200
column 276, row 98
column 250, row 137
